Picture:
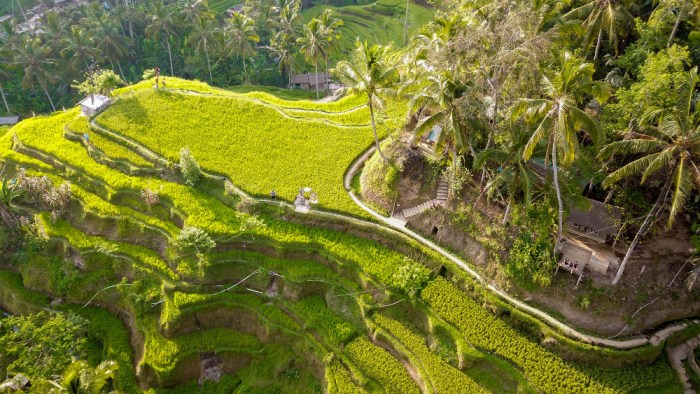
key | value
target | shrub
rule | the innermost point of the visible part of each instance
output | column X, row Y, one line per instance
column 530, row 261
column 42, row 344
column 194, row 239
column 411, row 277
column 189, row 167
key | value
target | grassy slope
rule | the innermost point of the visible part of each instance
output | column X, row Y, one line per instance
column 353, row 253
column 219, row 7
column 381, row 22
column 254, row 144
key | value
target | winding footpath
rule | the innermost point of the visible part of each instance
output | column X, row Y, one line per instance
column 397, row 227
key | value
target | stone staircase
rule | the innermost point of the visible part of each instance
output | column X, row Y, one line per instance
column 441, row 199
column 442, row 192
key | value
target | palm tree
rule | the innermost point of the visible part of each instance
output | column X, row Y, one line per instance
column 604, row 15
column 314, row 44
column 332, row 34
column 284, row 56
column 558, row 118
column 54, row 31
column 200, row 38
column 80, row 46
column 371, row 72
column 8, row 194
column 516, row 174
column 109, row 40
column 35, row 62
column 81, row 378
column 4, row 75
column 163, row 25
column 194, row 10
column 240, row 38
column 284, row 22
column 439, row 96
column 669, row 144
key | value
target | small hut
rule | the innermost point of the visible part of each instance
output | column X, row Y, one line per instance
column 310, row 81
column 598, row 224
column 93, row 104
column 8, row 120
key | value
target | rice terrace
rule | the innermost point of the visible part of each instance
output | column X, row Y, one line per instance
column 289, row 196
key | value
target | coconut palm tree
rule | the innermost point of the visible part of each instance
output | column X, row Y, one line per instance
column 680, row 10
column 669, row 144
column 516, row 175
column 4, row 75
column 558, row 117
column 440, row 97
column 332, row 35
column 314, row 44
column 192, row 11
column 162, row 25
column 285, row 21
column 201, row 39
column 54, row 31
column 81, row 378
column 34, row 59
column 598, row 16
column 108, row 39
column 372, row 72
column 240, row 38
column 281, row 49
column 79, row 45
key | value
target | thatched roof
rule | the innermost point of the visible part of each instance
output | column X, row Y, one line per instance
column 600, row 221
column 310, row 79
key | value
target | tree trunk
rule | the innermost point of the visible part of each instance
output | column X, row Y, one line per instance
column 555, row 172
column 374, row 129
column 316, row 80
column 325, row 78
column 170, row 56
column 245, row 71
column 652, row 213
column 206, row 53
column 597, row 45
column 454, row 169
column 675, row 27
column 505, row 215
column 4, row 100
column 119, row 65
column 22, row 11
column 43, row 85
column 405, row 25
column 7, row 217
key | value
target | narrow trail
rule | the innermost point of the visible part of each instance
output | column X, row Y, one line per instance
column 397, row 227
column 281, row 110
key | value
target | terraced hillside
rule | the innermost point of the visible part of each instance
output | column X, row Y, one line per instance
column 381, row 22
column 284, row 302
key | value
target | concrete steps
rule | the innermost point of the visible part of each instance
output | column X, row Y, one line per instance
column 442, row 191
column 413, row 211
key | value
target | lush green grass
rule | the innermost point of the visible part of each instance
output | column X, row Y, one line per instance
column 109, row 147
column 381, row 22
column 220, row 6
column 284, row 94
column 257, row 146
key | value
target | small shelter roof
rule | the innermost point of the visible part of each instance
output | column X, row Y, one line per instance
column 94, row 101
column 310, row 78
column 601, row 221
column 8, row 120
column 575, row 256
column 434, row 134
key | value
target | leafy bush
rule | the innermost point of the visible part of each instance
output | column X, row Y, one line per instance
column 189, row 167
column 194, row 239
column 315, row 311
column 42, row 344
column 530, row 261
column 411, row 277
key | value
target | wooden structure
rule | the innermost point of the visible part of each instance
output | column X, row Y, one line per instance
column 310, row 81
column 574, row 258
column 8, row 120
column 93, row 104
column 598, row 224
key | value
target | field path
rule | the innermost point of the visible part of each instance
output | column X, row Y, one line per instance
column 397, row 227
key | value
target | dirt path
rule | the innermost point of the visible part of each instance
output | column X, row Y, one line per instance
column 677, row 354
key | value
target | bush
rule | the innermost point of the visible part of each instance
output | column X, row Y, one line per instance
column 189, row 167
column 43, row 344
column 411, row 277
column 530, row 261
column 194, row 239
